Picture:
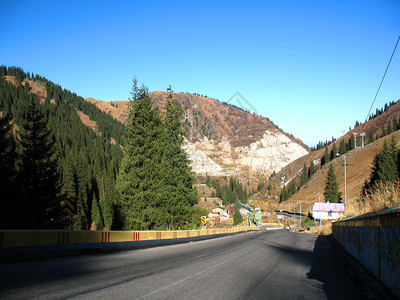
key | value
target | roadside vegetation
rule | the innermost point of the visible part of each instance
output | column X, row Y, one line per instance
column 383, row 196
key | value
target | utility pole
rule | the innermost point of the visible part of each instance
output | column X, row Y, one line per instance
column 294, row 220
column 362, row 134
column 345, row 188
column 300, row 215
column 355, row 137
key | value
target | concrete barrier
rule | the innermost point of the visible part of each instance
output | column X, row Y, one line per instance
column 31, row 244
column 374, row 240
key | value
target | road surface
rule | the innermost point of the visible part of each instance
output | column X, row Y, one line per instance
column 272, row 264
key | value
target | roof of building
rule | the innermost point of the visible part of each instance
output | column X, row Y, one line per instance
column 334, row 207
column 240, row 206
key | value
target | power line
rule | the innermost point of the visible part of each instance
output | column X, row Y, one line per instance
column 383, row 78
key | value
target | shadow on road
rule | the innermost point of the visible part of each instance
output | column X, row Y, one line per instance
column 327, row 269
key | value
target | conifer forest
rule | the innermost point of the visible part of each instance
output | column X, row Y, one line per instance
column 123, row 177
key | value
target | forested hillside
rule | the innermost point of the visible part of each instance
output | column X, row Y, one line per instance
column 87, row 163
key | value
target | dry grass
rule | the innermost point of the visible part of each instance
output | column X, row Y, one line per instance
column 326, row 228
column 382, row 197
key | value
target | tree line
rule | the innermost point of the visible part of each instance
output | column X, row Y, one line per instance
column 48, row 156
column 385, row 168
column 86, row 163
column 230, row 192
column 391, row 126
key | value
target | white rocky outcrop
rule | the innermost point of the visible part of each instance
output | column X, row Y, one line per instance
column 200, row 162
column 270, row 154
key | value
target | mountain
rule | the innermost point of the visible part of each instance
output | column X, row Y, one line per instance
column 88, row 143
column 358, row 162
column 222, row 139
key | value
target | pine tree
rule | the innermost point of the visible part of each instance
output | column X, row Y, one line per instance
column 283, row 196
column 352, row 142
column 304, row 176
column 175, row 171
column 326, row 156
column 384, row 167
column 38, row 173
column 395, row 124
column 389, row 129
column 393, row 149
column 96, row 214
column 139, row 168
column 291, row 189
column 371, row 137
column 342, row 147
column 107, row 201
column 312, row 169
column 155, row 181
column 7, row 172
column 237, row 217
column 331, row 192
column 333, row 152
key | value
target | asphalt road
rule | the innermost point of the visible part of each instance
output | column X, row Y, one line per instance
column 272, row 264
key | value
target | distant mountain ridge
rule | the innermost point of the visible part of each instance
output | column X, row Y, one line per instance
column 223, row 139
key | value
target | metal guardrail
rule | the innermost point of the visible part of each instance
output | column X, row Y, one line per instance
column 33, row 244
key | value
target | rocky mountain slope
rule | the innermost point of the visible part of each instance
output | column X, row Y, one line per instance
column 222, row 139
column 358, row 162
column 358, row 168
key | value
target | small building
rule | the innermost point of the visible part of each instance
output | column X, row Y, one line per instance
column 218, row 210
column 327, row 211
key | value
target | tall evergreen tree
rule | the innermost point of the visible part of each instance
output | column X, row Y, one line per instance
column 371, row 137
column 176, row 173
column 304, row 176
column 312, row 169
column 291, row 189
column 393, row 149
column 7, row 172
column 139, row 169
column 333, row 152
column 389, row 129
column 331, row 191
column 352, row 142
column 342, row 147
column 283, row 196
column 155, row 181
column 107, row 201
column 38, row 173
column 237, row 217
column 384, row 166
column 395, row 124
column 326, row 157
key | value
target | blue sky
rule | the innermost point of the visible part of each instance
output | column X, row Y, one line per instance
column 312, row 67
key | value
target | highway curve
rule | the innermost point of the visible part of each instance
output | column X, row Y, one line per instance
column 258, row 265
